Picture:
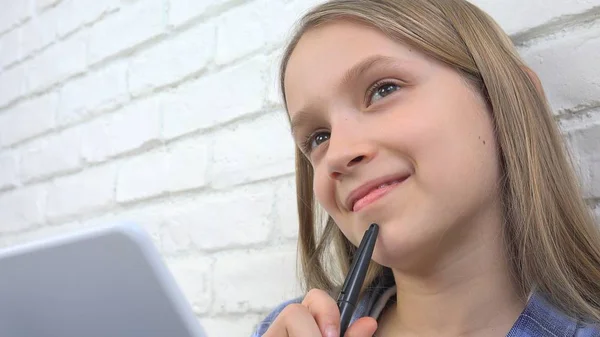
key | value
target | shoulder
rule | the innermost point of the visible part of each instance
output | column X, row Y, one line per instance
column 264, row 325
column 587, row 330
column 541, row 317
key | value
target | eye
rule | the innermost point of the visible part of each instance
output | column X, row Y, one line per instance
column 314, row 140
column 380, row 90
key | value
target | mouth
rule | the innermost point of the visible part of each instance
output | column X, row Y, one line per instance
column 372, row 191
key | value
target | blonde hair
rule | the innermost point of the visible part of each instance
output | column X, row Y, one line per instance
column 550, row 237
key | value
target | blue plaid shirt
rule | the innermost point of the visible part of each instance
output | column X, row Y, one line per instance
column 539, row 318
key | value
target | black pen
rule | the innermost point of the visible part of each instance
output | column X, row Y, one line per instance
column 348, row 297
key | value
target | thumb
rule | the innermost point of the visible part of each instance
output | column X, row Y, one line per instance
column 362, row 327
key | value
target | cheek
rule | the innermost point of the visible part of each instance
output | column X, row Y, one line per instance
column 451, row 141
column 465, row 152
column 324, row 191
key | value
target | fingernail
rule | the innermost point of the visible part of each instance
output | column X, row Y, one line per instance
column 331, row 331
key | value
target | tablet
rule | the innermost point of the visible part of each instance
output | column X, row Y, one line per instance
column 108, row 281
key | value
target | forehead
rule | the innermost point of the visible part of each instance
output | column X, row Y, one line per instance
column 331, row 49
column 324, row 54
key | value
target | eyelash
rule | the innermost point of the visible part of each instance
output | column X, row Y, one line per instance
column 376, row 86
column 305, row 146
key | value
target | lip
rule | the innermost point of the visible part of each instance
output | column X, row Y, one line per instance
column 366, row 188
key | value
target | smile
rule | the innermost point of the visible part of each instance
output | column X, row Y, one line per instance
column 371, row 192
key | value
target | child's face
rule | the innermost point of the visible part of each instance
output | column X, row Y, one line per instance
column 422, row 130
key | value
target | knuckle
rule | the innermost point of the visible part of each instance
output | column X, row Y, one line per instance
column 315, row 295
column 293, row 311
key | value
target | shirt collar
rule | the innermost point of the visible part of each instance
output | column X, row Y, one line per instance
column 539, row 318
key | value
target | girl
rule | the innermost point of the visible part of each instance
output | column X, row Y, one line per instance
column 421, row 117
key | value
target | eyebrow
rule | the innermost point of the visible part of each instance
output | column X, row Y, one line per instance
column 303, row 115
column 361, row 67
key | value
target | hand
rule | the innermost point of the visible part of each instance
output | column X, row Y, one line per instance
column 317, row 316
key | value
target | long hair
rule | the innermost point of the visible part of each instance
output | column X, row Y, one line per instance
column 550, row 238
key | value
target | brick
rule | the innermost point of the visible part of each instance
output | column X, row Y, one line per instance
column 39, row 32
column 208, row 222
column 584, row 143
column 240, row 32
column 8, row 170
column 10, row 47
column 172, row 60
column 182, row 11
column 38, row 233
column 229, row 94
column 279, row 18
column 581, row 172
column 107, row 37
column 96, row 91
column 565, row 66
column 43, row 70
column 136, row 181
column 13, row 13
column 12, row 84
column 586, row 138
column 76, row 13
column 16, row 125
column 255, row 26
column 286, row 210
column 51, row 155
column 588, row 168
column 112, row 135
column 238, row 287
column 175, row 237
column 43, row 4
column 273, row 92
column 148, row 217
column 82, row 193
column 176, row 168
column 192, row 274
column 517, row 16
column 22, row 209
column 188, row 164
column 231, row 325
column 252, row 151
column 593, row 189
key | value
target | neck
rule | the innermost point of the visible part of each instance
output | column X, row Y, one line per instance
column 468, row 293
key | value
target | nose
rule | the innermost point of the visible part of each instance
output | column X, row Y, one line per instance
column 347, row 150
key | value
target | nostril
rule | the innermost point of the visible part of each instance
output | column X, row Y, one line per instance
column 356, row 160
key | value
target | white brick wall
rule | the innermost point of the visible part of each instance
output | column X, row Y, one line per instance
column 133, row 24
column 172, row 59
column 13, row 13
column 8, row 170
column 15, row 123
column 94, row 91
column 53, row 155
column 183, row 112
column 166, row 113
column 56, row 63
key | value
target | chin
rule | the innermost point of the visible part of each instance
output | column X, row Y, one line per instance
column 401, row 250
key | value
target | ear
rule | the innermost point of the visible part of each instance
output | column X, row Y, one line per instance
column 535, row 79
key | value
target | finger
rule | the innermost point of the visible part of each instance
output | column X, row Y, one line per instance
column 294, row 321
column 325, row 312
column 362, row 327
